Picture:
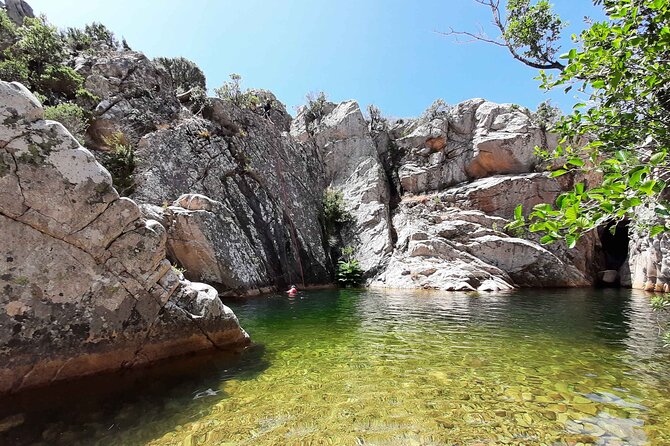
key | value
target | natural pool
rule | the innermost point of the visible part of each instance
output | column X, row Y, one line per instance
column 347, row 367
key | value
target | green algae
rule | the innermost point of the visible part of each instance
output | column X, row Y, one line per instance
column 352, row 368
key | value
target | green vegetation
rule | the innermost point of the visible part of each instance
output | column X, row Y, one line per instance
column 532, row 31
column 335, row 214
column 186, row 75
column 623, row 133
column 231, row 91
column 316, row 106
column 35, row 54
column 546, row 116
column 120, row 162
column 437, row 109
column 349, row 272
column 72, row 116
column 93, row 36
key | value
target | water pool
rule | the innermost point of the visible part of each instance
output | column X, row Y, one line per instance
column 533, row 367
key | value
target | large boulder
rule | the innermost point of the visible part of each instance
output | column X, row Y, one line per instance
column 501, row 194
column 648, row 263
column 258, row 224
column 474, row 139
column 446, row 248
column 85, row 283
column 352, row 167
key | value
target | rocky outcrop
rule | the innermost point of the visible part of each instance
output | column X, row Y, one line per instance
column 447, row 248
column 648, row 264
column 352, row 167
column 456, row 178
column 137, row 96
column 84, row 279
column 474, row 139
column 257, row 220
column 17, row 10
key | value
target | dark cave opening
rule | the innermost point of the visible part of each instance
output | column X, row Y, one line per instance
column 614, row 241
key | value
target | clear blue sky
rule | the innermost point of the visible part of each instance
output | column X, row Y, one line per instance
column 384, row 52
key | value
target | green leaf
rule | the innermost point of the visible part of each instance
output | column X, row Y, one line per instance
column 518, row 212
column 656, row 230
column 571, row 240
column 558, row 173
column 547, row 239
column 658, row 158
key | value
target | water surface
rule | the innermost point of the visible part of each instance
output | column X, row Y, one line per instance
column 390, row 368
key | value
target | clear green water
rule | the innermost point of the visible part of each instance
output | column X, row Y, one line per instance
column 390, row 368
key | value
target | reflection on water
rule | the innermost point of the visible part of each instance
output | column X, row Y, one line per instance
column 393, row 368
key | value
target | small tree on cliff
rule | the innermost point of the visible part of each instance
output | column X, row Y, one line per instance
column 186, row 75
column 620, row 68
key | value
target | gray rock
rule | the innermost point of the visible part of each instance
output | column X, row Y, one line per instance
column 86, row 286
column 648, row 263
column 137, row 96
column 17, row 10
column 352, row 166
column 475, row 139
column 452, row 249
column 256, row 222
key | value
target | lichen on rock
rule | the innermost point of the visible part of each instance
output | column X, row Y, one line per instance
column 85, row 284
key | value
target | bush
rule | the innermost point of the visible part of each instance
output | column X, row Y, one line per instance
column 349, row 272
column 39, row 45
column 334, row 212
column 72, row 116
column 186, row 75
column 546, row 116
column 60, row 80
column 438, row 109
column 316, row 106
column 14, row 71
column 93, row 35
column 86, row 99
column 231, row 91
column 120, row 162
column 7, row 31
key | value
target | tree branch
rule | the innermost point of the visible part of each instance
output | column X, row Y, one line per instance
column 494, row 5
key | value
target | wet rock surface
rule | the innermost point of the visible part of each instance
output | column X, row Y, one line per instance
column 84, row 279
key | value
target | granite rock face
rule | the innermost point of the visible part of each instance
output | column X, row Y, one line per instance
column 85, row 283
column 648, row 264
column 430, row 197
column 137, row 96
column 256, row 221
column 474, row 139
column 352, row 167
column 454, row 249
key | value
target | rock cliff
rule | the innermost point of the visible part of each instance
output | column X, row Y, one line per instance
column 457, row 177
column 85, row 283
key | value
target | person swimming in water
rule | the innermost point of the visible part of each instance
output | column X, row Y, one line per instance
column 293, row 291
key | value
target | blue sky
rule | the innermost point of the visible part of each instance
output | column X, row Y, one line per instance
column 385, row 52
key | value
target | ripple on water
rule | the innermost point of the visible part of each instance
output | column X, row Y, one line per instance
column 391, row 368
